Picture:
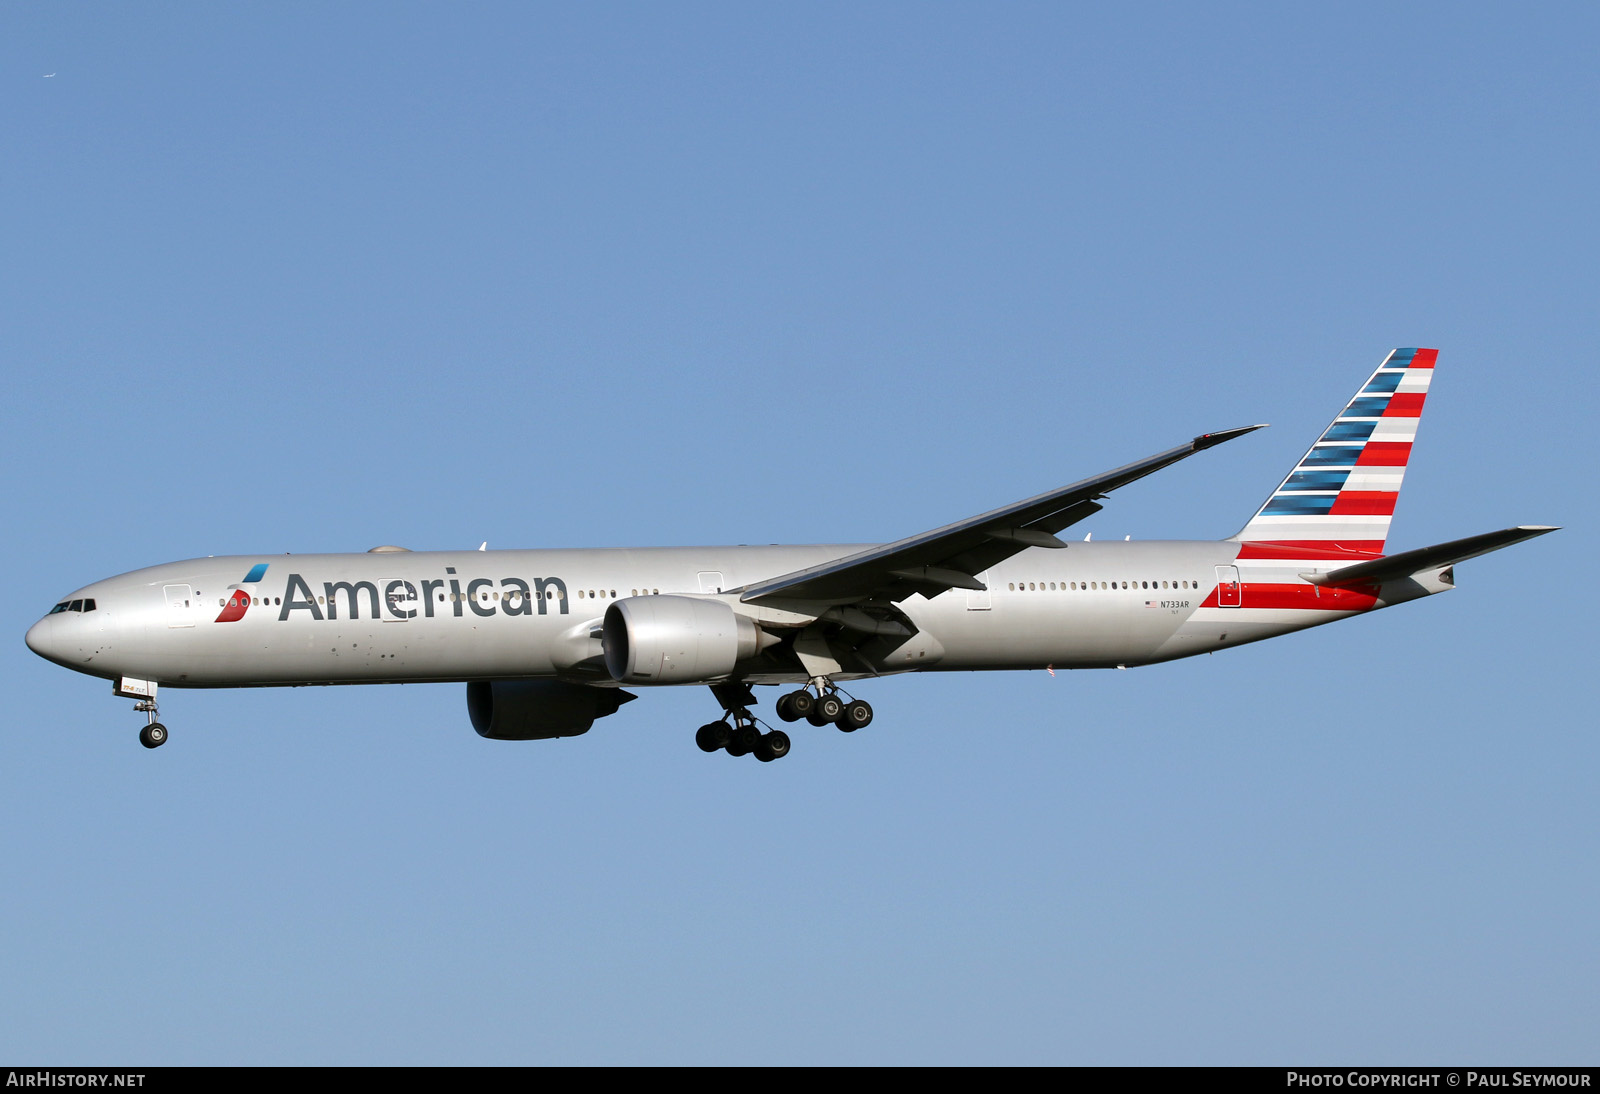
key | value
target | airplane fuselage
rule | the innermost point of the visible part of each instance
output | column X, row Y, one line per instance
column 400, row 617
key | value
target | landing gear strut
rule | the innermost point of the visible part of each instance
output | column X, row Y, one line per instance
column 154, row 734
column 738, row 733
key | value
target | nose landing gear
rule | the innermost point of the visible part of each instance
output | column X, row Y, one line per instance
column 154, row 734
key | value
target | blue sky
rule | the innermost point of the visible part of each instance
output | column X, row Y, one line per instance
column 313, row 278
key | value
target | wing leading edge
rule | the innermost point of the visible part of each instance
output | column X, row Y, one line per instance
column 952, row 556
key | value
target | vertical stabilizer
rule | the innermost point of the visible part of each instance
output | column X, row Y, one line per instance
column 1340, row 497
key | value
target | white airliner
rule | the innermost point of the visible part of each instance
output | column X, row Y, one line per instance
column 545, row 640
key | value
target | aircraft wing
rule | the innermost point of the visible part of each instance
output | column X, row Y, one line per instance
column 952, row 556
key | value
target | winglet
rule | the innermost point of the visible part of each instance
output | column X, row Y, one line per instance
column 1211, row 440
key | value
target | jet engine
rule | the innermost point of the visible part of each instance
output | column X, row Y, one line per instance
column 676, row 639
column 537, row 710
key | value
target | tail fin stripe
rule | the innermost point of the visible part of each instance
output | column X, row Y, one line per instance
column 1350, row 431
column 1368, row 479
column 1392, row 430
column 1298, row 505
column 1325, row 500
column 1362, row 503
column 1385, row 454
column 1347, row 455
column 1405, row 405
column 1302, row 481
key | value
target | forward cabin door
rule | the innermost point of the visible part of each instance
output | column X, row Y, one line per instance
column 400, row 601
column 179, row 610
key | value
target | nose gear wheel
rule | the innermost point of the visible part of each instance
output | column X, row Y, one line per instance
column 154, row 734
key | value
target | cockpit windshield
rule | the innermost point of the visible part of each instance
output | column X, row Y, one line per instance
column 74, row 606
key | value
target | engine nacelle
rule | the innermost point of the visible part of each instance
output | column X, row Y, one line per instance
column 537, row 710
column 676, row 639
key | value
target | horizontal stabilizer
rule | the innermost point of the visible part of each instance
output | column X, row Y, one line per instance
column 1406, row 563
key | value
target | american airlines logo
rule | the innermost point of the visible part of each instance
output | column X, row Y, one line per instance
column 403, row 599
column 400, row 598
column 239, row 597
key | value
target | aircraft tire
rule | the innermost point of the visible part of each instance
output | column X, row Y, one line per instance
column 827, row 710
column 774, row 746
column 795, row 706
column 744, row 741
column 153, row 735
column 856, row 715
column 712, row 736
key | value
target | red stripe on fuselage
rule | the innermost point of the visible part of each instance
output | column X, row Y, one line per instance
column 1384, row 454
column 1312, row 549
column 1302, row 596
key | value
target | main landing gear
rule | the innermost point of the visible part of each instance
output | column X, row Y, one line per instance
column 154, row 734
column 742, row 738
column 827, row 707
column 738, row 733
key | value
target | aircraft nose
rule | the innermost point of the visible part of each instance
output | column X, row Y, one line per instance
column 46, row 640
column 39, row 636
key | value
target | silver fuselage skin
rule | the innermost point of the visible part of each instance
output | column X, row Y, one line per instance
column 410, row 617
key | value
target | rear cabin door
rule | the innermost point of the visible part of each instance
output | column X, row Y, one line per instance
column 1229, row 591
